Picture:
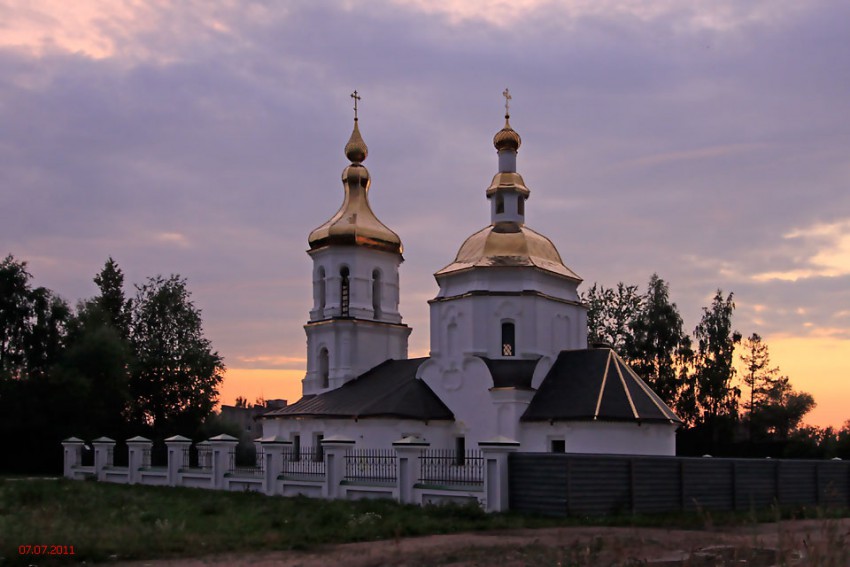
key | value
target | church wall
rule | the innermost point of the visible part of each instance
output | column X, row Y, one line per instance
column 543, row 327
column 601, row 437
column 463, row 384
column 370, row 433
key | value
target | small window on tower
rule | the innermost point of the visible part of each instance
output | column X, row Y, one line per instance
column 376, row 294
column 520, row 206
column 344, row 292
column 321, row 285
column 324, row 368
column 558, row 446
column 500, row 204
column 508, row 339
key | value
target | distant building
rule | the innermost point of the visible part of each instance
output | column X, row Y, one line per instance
column 509, row 359
column 248, row 417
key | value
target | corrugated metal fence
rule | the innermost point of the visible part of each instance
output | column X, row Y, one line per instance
column 566, row 484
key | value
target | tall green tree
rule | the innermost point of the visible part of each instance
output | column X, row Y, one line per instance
column 659, row 350
column 782, row 409
column 112, row 300
column 176, row 374
column 715, row 393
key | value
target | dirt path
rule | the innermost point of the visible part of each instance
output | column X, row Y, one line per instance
column 800, row 542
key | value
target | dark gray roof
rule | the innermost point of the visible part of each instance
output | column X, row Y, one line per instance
column 388, row 390
column 509, row 373
column 595, row 384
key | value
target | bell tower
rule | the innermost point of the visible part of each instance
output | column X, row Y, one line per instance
column 354, row 324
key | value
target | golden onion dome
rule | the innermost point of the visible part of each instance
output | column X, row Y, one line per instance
column 507, row 138
column 356, row 149
column 354, row 224
column 507, row 244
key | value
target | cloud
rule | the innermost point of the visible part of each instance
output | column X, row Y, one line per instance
column 828, row 253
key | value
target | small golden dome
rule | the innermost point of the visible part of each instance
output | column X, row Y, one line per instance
column 509, row 244
column 507, row 138
column 356, row 150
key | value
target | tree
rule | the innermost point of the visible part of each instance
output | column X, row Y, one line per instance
column 782, row 409
column 15, row 316
column 714, row 392
column 111, row 300
column 609, row 314
column 658, row 348
column 175, row 375
column 758, row 375
column 32, row 323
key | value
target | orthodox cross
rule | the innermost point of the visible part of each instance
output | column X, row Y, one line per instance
column 508, row 97
column 356, row 97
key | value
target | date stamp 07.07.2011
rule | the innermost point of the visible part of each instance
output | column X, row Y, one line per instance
column 45, row 549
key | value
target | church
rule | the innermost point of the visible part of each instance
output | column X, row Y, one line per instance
column 509, row 360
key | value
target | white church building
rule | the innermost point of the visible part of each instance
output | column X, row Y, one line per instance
column 509, row 360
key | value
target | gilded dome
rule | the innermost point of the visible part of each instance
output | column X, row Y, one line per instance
column 354, row 224
column 509, row 244
column 507, row 138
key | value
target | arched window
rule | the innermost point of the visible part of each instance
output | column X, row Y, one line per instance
column 321, row 285
column 520, row 205
column 324, row 368
column 500, row 203
column 508, row 339
column 376, row 294
column 344, row 292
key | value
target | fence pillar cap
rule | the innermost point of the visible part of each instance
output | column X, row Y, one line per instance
column 411, row 441
column 104, row 440
column 500, row 441
column 223, row 437
column 337, row 440
column 73, row 441
column 273, row 439
column 139, row 439
column 178, row 439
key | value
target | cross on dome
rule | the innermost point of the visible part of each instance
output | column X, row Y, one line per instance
column 508, row 97
column 356, row 97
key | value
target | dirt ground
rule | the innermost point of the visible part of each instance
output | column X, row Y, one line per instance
column 798, row 542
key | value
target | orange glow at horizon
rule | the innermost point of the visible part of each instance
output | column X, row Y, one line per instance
column 266, row 383
column 816, row 365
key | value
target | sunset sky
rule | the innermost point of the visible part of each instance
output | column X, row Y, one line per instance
column 707, row 141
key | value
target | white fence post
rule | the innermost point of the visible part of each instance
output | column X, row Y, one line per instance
column 73, row 449
column 496, row 491
column 136, row 449
column 176, row 446
column 222, row 446
column 408, row 450
column 273, row 447
column 103, row 456
column 334, row 449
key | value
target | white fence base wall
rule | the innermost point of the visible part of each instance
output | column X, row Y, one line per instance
column 352, row 491
column 193, row 479
column 372, row 474
column 153, row 477
column 118, row 475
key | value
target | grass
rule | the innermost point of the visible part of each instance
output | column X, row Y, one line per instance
column 108, row 521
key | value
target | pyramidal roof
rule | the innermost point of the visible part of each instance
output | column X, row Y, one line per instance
column 595, row 384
